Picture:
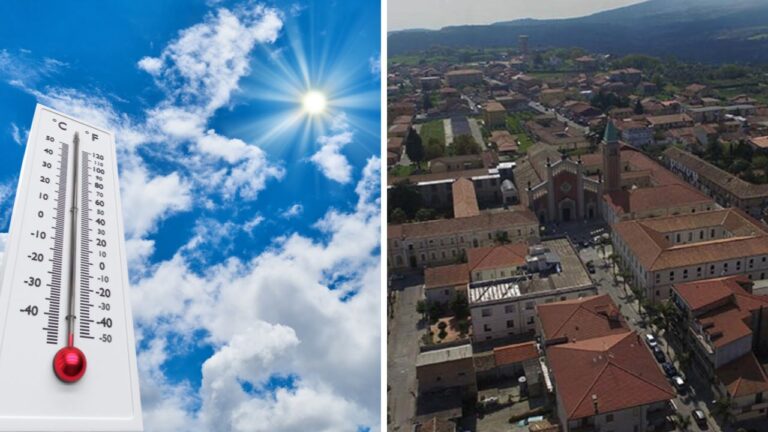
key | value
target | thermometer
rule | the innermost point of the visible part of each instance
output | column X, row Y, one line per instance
column 67, row 348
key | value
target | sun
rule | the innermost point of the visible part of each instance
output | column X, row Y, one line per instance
column 314, row 102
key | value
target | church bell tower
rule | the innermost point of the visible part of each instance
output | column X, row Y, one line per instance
column 611, row 158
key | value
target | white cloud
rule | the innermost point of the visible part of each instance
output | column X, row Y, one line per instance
column 329, row 159
column 16, row 134
column 253, row 223
column 147, row 200
column 307, row 308
column 374, row 65
column 293, row 211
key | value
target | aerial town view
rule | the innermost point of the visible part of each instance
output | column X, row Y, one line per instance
column 577, row 209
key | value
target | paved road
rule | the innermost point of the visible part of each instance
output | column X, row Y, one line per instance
column 699, row 391
column 402, row 349
column 477, row 134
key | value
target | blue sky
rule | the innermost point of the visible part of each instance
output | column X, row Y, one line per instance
column 252, row 228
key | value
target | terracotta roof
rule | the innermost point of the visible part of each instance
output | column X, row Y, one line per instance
column 463, row 72
column 494, row 106
column 727, row 181
column 464, row 199
column 671, row 118
column 448, row 175
column 645, row 239
column 581, row 319
column 394, row 144
column 492, row 257
column 743, row 376
column 643, row 199
column 708, row 292
column 443, row 276
column 606, row 374
column 436, row 425
column 722, row 307
column 517, row 216
column 761, row 142
column 517, row 353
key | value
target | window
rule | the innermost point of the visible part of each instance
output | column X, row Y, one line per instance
column 562, row 298
column 530, row 320
column 759, row 398
column 712, row 269
column 672, row 275
column 503, row 273
column 712, row 233
column 509, row 309
column 738, row 265
column 677, row 238
column 751, row 262
column 529, row 305
column 486, row 328
column 701, row 235
column 510, row 323
column 608, row 418
column 443, row 253
column 519, row 233
column 690, row 236
column 433, row 255
column 685, row 274
column 486, row 312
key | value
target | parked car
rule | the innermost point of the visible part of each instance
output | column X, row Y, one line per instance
column 679, row 383
column 669, row 369
column 651, row 340
column 659, row 354
column 700, row 418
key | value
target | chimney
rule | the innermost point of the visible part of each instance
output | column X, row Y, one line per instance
column 594, row 403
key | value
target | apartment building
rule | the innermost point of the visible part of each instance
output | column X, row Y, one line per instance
column 661, row 252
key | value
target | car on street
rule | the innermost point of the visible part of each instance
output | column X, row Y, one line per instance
column 584, row 244
column 700, row 418
column 659, row 354
column 669, row 369
column 679, row 383
column 651, row 340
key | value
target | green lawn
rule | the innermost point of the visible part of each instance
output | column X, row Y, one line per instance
column 402, row 170
column 433, row 129
column 515, row 127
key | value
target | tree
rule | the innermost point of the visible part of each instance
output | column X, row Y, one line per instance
column 435, row 149
column 683, row 421
column 460, row 306
column 722, row 409
column 398, row 216
column 405, row 196
column 425, row 214
column 421, row 308
column 414, row 148
column 639, row 108
column 465, row 145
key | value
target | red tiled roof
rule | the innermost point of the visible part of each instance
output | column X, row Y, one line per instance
column 650, row 198
column 443, row 276
column 516, row 217
column 743, row 376
column 464, row 199
column 517, row 353
column 581, row 319
column 491, row 257
column 606, row 374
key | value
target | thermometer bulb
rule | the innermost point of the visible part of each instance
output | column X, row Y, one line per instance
column 69, row 364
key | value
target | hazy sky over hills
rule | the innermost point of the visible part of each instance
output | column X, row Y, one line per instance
column 434, row 14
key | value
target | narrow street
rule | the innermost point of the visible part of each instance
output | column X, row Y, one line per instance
column 402, row 349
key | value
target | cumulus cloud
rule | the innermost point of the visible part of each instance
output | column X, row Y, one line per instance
column 293, row 211
column 329, row 159
column 305, row 308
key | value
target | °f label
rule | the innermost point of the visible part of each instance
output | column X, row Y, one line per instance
column 36, row 287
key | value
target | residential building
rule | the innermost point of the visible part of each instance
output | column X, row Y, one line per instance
column 726, row 323
column 436, row 189
column 635, row 133
column 495, row 116
column 726, row 189
column 443, row 369
column 506, row 307
column 661, row 252
column 419, row 244
column 604, row 376
column 671, row 121
column 441, row 284
column 463, row 77
column 496, row 262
